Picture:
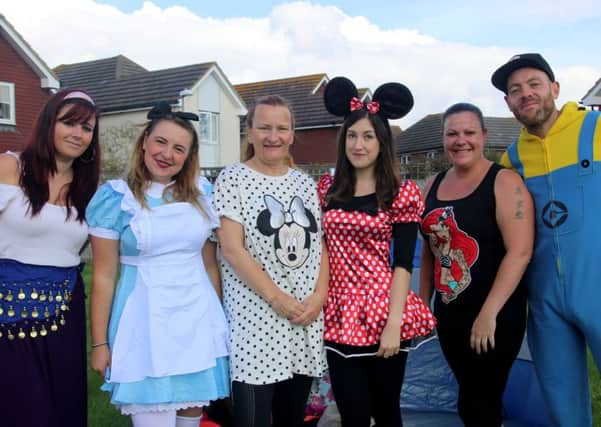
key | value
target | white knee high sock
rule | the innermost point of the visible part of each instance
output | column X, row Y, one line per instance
column 154, row 419
column 187, row 421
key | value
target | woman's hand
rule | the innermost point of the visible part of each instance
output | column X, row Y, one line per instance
column 286, row 306
column 483, row 333
column 312, row 306
column 100, row 359
column 390, row 341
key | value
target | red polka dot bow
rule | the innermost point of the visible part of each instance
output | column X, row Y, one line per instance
column 372, row 107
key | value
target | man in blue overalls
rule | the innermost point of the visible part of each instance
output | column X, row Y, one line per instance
column 558, row 153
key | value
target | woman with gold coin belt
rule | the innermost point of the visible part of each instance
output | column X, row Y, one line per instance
column 43, row 195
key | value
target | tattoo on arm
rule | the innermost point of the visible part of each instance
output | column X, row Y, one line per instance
column 519, row 209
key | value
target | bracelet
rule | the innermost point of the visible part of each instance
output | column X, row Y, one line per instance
column 100, row 344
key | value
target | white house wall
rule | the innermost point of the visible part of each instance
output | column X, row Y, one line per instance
column 229, row 126
column 209, row 95
column 208, row 100
column 119, row 131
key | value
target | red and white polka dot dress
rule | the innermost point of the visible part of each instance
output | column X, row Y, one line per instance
column 360, row 273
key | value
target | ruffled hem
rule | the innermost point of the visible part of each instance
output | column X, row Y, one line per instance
column 204, row 386
column 132, row 409
column 418, row 320
column 359, row 319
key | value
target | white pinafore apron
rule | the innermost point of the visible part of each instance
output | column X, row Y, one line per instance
column 172, row 322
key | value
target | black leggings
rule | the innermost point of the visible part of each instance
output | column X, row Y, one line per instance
column 366, row 387
column 283, row 402
column 482, row 378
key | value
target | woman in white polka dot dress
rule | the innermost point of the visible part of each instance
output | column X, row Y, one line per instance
column 370, row 312
column 273, row 286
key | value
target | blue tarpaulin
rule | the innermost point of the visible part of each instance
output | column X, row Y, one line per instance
column 430, row 386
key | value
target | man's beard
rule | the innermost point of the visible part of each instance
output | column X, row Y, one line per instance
column 541, row 116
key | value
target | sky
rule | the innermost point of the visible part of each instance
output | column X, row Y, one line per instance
column 444, row 51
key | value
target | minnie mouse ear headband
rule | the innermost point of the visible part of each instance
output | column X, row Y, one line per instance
column 162, row 110
column 390, row 101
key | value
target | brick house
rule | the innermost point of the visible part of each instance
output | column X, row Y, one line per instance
column 26, row 83
column 316, row 130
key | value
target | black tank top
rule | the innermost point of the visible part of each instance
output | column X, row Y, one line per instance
column 467, row 246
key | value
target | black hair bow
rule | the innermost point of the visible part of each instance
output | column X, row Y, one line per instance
column 163, row 109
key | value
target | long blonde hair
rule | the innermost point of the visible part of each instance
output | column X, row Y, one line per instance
column 185, row 188
column 274, row 101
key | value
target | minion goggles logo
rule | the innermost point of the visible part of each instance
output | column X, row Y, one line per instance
column 554, row 214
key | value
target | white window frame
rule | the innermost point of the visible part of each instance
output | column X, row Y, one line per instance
column 11, row 120
column 405, row 160
column 212, row 121
column 431, row 155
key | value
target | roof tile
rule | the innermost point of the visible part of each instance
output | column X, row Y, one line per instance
column 120, row 84
column 308, row 108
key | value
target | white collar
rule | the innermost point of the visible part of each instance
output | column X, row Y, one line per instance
column 156, row 189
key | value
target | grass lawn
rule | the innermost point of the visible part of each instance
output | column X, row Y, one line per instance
column 102, row 414
column 595, row 380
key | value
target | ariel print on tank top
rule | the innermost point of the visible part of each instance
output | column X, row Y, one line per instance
column 454, row 252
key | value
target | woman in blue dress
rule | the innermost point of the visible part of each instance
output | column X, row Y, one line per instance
column 159, row 336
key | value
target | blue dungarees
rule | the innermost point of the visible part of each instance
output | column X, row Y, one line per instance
column 563, row 173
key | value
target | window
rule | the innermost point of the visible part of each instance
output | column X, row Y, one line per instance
column 208, row 125
column 7, row 103
column 431, row 155
column 405, row 160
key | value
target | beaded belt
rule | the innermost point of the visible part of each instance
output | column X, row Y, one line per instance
column 33, row 298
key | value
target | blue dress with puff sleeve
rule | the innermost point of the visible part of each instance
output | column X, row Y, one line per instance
column 167, row 332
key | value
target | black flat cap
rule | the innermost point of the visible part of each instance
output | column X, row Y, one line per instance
column 523, row 60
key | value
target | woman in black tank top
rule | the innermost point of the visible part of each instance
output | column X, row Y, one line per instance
column 479, row 227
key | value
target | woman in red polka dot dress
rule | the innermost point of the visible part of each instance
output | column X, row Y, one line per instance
column 370, row 312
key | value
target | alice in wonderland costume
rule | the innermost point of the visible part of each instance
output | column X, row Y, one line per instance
column 167, row 331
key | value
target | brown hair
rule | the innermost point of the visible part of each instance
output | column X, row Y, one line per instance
column 185, row 188
column 271, row 100
column 386, row 170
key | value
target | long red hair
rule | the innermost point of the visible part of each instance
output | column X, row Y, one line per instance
column 459, row 239
column 38, row 159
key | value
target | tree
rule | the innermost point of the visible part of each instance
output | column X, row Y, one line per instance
column 116, row 144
